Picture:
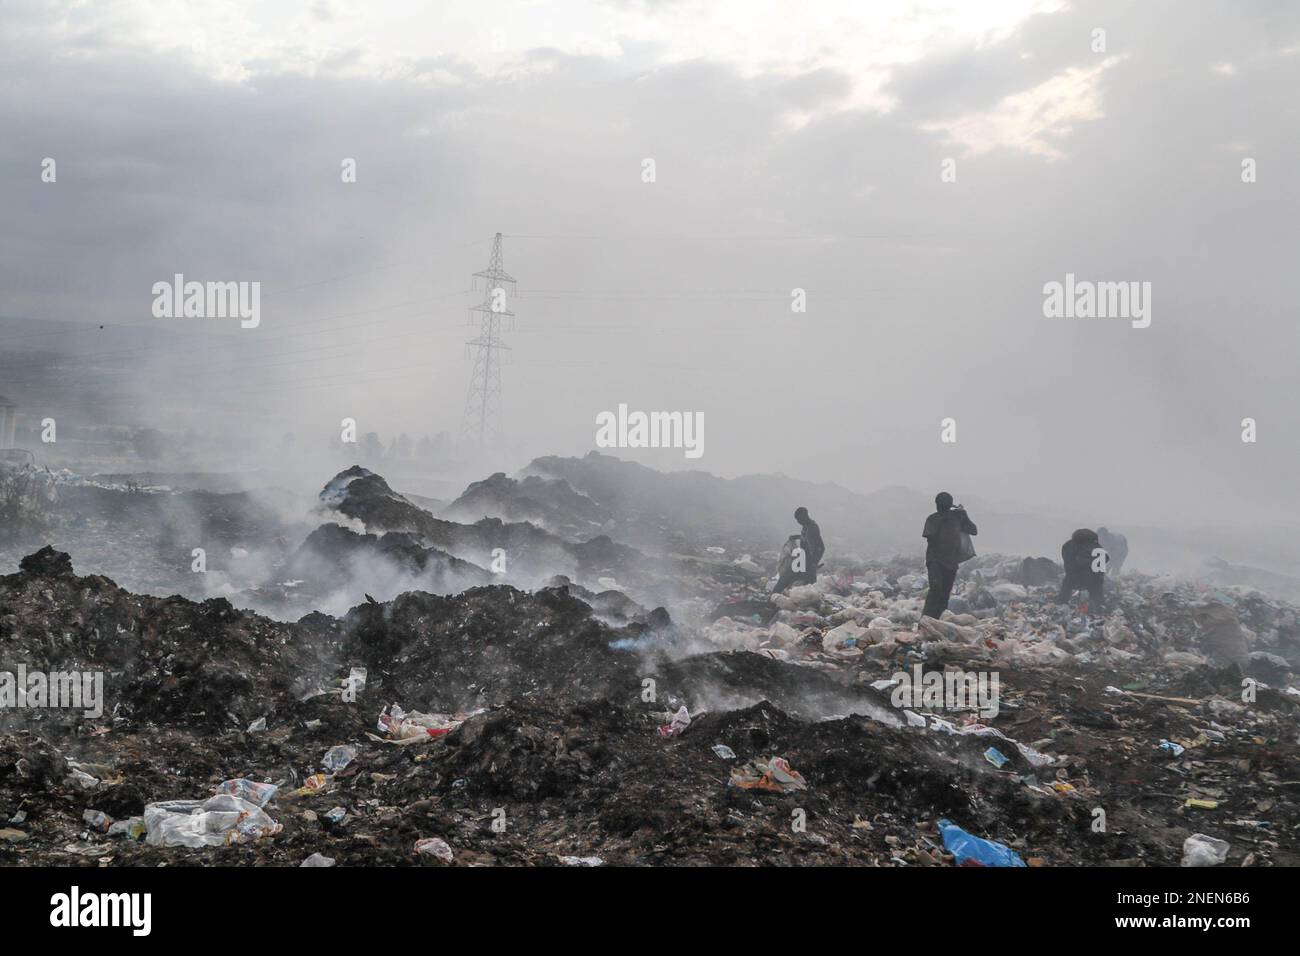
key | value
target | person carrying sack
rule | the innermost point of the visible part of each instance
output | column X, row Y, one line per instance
column 948, row 533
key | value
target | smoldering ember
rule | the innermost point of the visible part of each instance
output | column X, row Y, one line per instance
column 350, row 682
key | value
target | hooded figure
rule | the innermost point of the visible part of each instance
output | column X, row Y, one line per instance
column 1078, row 555
column 809, row 554
column 943, row 531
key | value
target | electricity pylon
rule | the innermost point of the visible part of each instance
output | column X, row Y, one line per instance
column 482, row 422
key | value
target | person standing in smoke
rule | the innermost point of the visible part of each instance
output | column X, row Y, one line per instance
column 1084, row 569
column 943, row 531
column 800, row 566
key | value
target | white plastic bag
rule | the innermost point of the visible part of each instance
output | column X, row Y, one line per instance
column 216, row 821
column 1202, row 850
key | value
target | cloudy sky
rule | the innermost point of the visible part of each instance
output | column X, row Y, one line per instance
column 795, row 146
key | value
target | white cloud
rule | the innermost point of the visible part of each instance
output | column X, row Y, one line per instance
column 232, row 40
column 1035, row 120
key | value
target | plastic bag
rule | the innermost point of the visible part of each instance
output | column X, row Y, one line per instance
column 680, row 721
column 435, row 847
column 974, row 851
column 338, row 757
column 400, row 725
column 217, row 821
column 1202, row 850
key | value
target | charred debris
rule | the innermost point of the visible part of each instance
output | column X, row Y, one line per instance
column 505, row 683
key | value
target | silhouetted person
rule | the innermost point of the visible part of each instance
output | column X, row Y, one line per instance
column 810, row 542
column 1116, row 546
column 943, row 531
column 1078, row 558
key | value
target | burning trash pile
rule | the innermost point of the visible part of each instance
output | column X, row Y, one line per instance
column 502, row 727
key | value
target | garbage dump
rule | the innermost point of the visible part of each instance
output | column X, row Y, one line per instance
column 564, row 726
column 654, row 434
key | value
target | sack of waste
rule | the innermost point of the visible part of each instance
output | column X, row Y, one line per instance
column 969, row 850
column 217, row 821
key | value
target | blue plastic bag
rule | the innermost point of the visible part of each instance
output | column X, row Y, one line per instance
column 973, row 851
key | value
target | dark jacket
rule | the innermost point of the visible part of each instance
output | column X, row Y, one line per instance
column 943, row 531
column 1076, row 555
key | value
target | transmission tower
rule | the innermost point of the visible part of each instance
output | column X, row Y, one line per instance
column 482, row 422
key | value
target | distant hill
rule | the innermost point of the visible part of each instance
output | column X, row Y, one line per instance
column 688, row 511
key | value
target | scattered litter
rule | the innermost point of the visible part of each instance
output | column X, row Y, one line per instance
column 774, row 774
column 805, row 674
column 415, row 727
